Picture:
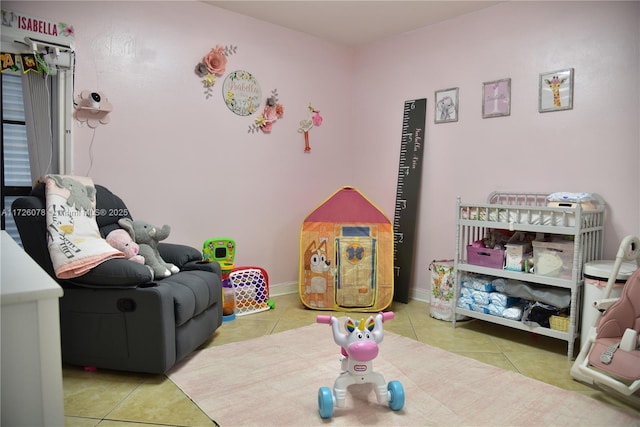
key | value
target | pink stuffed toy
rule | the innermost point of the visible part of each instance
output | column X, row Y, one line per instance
column 121, row 240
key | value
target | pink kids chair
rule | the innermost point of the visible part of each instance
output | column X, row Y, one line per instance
column 610, row 358
column 359, row 347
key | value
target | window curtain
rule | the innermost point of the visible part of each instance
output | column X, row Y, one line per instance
column 40, row 116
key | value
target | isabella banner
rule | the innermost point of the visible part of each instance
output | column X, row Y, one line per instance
column 21, row 26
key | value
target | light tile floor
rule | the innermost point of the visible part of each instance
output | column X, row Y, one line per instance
column 118, row 399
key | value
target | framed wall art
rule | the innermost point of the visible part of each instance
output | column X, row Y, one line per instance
column 496, row 98
column 446, row 105
column 555, row 91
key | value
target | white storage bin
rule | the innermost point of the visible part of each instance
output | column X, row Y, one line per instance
column 554, row 259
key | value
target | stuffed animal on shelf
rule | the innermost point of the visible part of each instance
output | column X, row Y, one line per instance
column 122, row 241
column 148, row 236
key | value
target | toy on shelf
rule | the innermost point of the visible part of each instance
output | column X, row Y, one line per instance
column 251, row 290
column 359, row 347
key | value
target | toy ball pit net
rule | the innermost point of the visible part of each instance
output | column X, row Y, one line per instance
column 251, row 290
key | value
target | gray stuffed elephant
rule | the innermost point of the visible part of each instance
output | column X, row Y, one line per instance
column 147, row 237
column 80, row 195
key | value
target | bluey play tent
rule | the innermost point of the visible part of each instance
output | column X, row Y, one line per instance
column 346, row 255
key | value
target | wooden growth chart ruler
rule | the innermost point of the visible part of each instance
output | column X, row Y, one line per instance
column 408, row 195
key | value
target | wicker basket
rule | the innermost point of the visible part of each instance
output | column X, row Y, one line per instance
column 559, row 323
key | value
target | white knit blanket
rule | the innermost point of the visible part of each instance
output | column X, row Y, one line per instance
column 74, row 241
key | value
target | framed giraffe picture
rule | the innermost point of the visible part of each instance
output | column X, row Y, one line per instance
column 555, row 91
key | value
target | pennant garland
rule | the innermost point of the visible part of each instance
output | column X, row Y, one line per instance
column 8, row 61
column 30, row 62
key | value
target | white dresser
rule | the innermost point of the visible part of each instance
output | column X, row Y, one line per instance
column 30, row 341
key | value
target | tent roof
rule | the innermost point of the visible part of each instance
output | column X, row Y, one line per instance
column 347, row 205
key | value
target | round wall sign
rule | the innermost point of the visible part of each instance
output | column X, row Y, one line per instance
column 241, row 93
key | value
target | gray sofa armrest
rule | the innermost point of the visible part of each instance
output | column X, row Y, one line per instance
column 187, row 258
column 178, row 255
column 212, row 266
column 116, row 273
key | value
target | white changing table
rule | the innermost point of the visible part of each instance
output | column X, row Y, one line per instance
column 529, row 212
column 30, row 340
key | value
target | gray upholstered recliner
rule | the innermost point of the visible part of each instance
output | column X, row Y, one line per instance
column 115, row 316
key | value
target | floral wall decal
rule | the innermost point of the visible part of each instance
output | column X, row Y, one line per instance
column 67, row 30
column 213, row 65
column 271, row 113
column 314, row 119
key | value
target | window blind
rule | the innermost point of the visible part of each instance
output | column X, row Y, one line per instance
column 15, row 151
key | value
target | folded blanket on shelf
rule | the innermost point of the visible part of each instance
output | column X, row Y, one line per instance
column 557, row 297
column 74, row 241
column 570, row 197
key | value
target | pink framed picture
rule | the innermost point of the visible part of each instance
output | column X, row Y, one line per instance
column 496, row 98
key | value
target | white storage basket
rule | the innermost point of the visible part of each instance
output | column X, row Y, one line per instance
column 251, row 289
column 442, row 289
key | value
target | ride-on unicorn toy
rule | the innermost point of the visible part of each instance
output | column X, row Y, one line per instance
column 359, row 347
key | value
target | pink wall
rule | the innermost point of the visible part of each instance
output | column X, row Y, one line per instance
column 180, row 159
column 593, row 148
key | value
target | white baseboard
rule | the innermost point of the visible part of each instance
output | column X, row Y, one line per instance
column 287, row 288
column 284, row 288
column 421, row 295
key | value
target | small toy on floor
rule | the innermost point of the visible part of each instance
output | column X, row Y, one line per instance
column 359, row 347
